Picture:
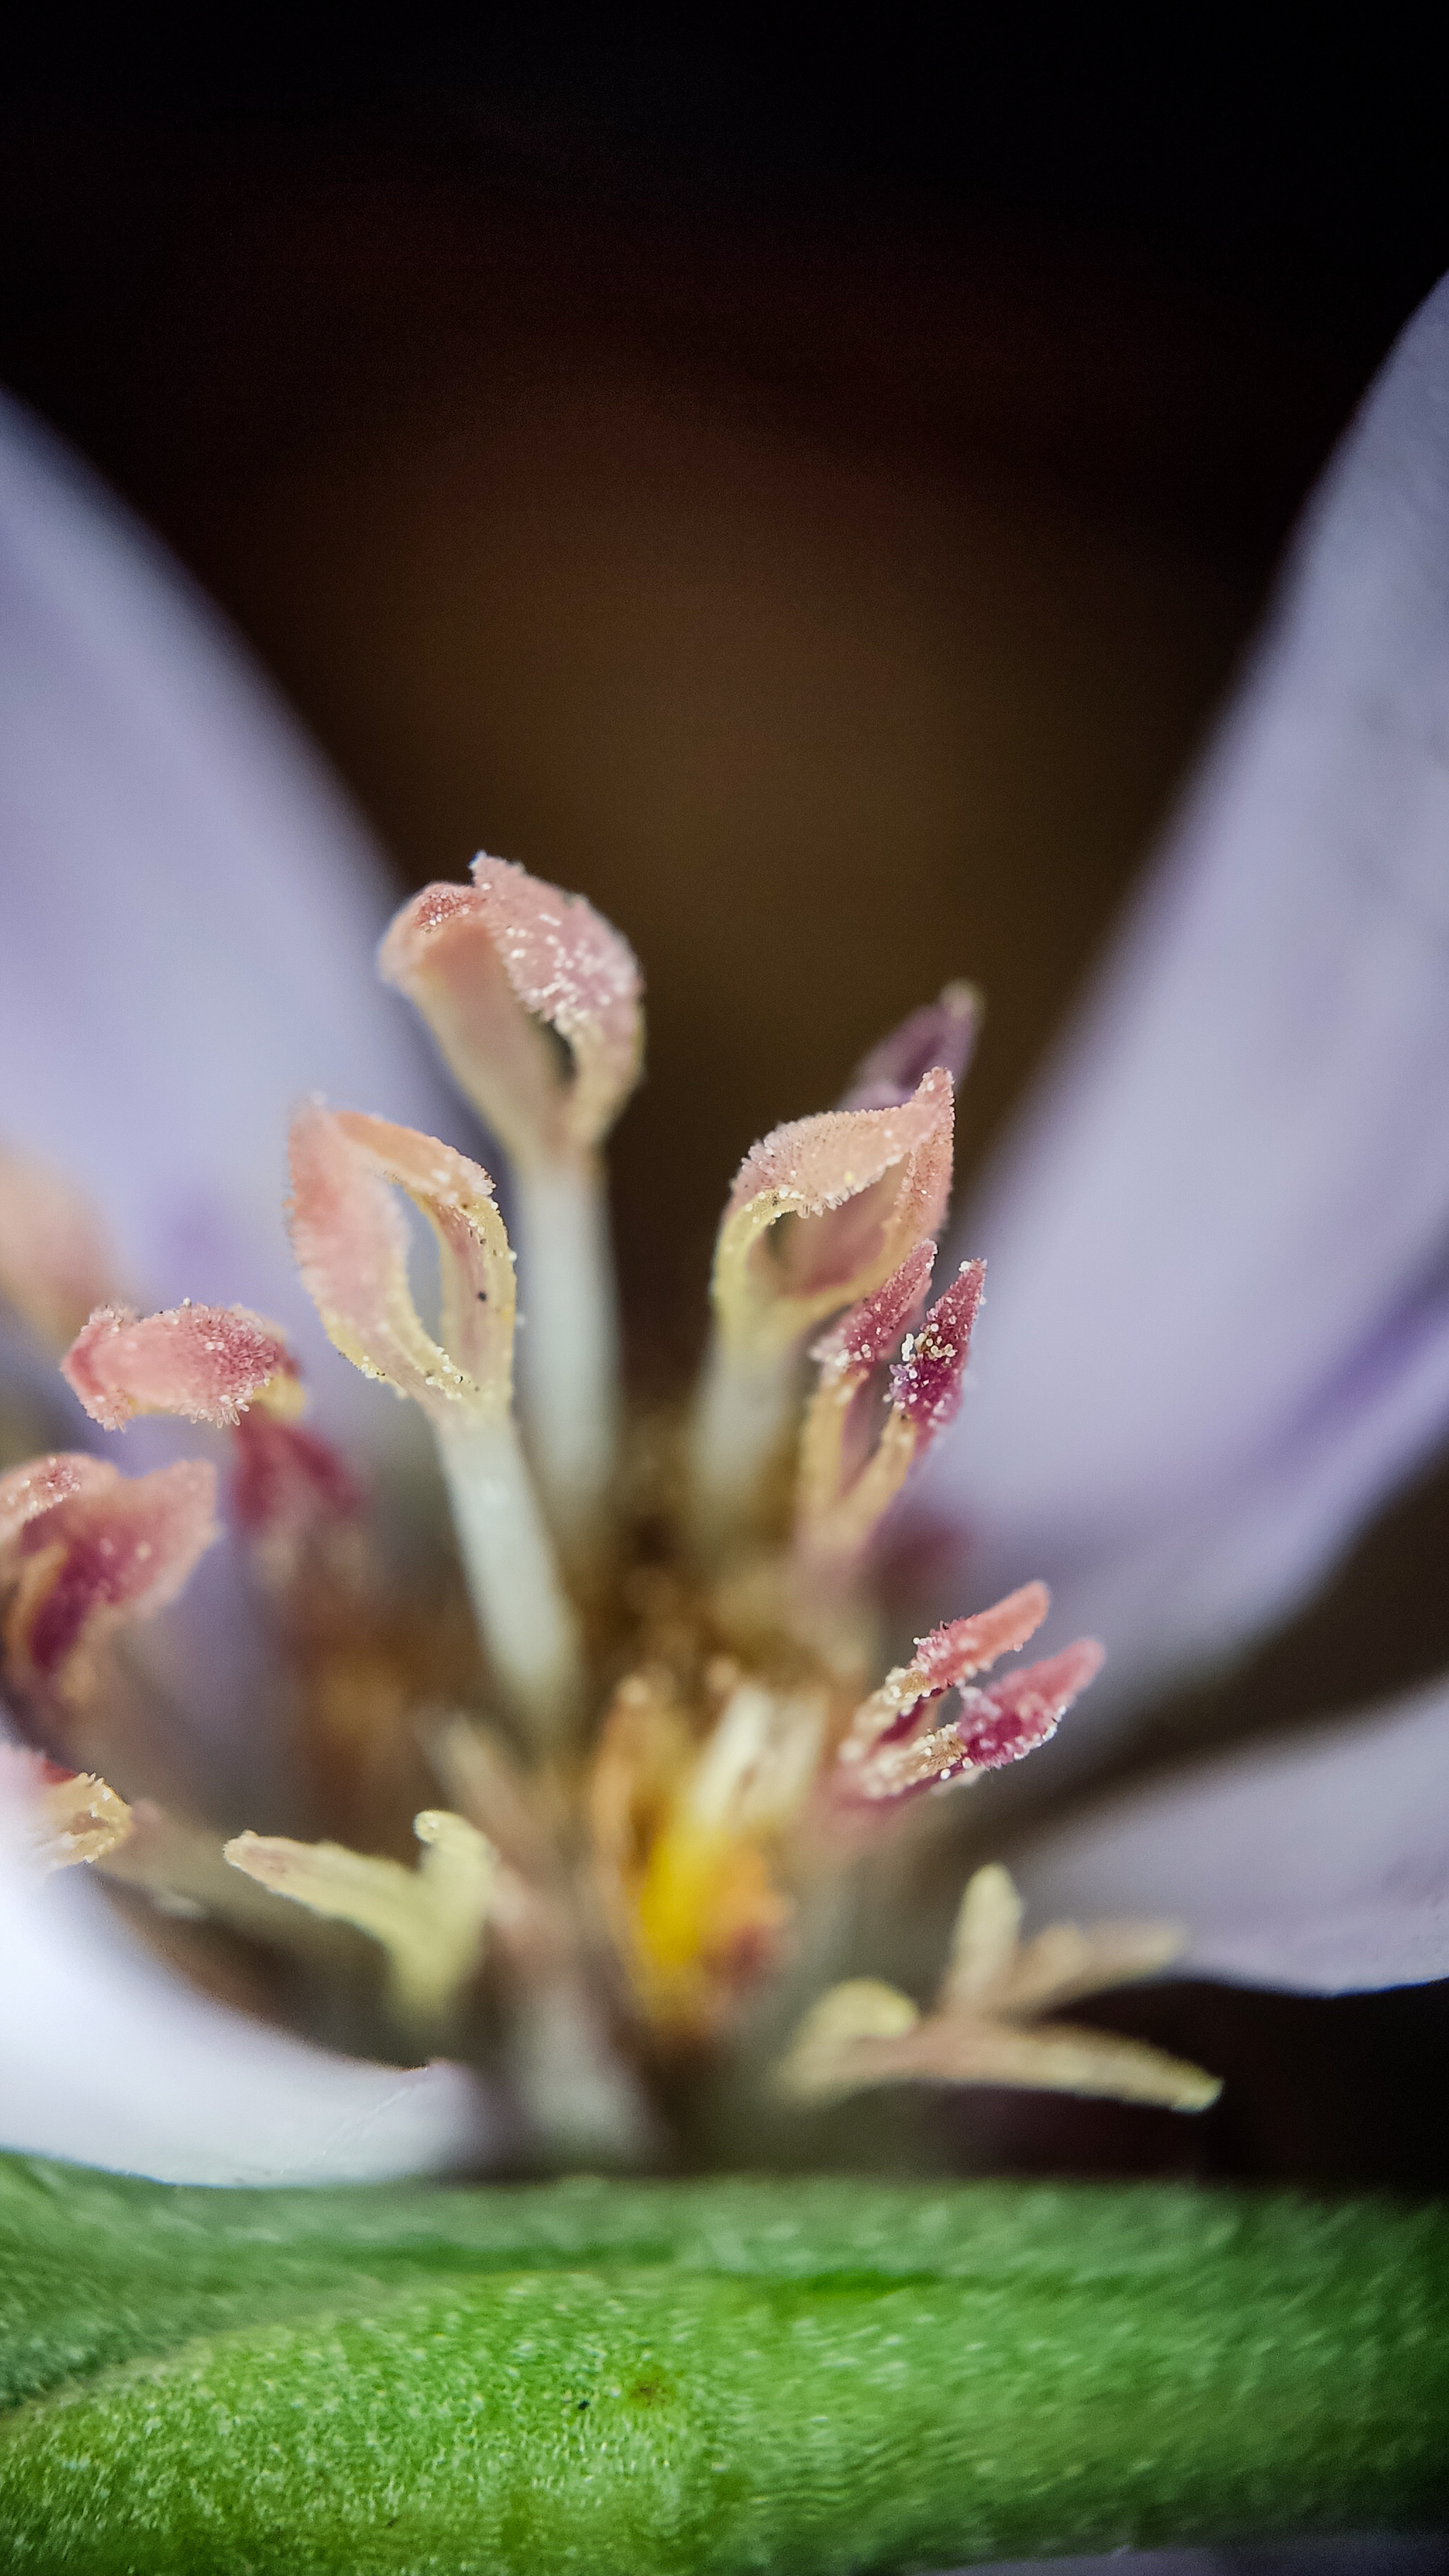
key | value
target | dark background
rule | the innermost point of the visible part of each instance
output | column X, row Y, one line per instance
column 810, row 493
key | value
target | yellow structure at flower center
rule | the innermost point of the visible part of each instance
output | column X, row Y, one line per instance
column 707, row 1912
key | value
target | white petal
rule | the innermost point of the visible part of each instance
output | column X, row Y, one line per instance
column 1218, row 1321
column 1320, row 1863
column 190, row 914
column 108, row 2059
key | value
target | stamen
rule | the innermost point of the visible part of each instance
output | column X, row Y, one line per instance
column 832, row 2055
column 1016, row 1715
column 569, row 1367
column 351, row 1246
column 865, row 1338
column 486, row 965
column 431, row 1920
column 41, row 1483
column 986, row 1940
column 581, row 2097
column 985, row 2027
column 848, row 1356
column 685, row 1836
column 884, row 1756
column 288, row 1484
column 837, row 1511
column 64, row 1817
column 756, row 1768
column 853, row 1194
column 181, row 1869
column 485, row 1783
column 205, row 1363
column 992, row 1969
column 110, row 1545
column 708, row 1922
column 55, row 1262
column 943, row 1033
column 926, row 1384
column 995, row 1726
column 951, row 1654
column 864, row 1188
column 352, row 1250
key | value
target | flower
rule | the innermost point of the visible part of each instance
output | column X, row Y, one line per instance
column 696, row 1762
column 1214, row 1376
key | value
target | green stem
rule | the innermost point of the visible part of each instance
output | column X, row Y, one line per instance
column 633, row 2377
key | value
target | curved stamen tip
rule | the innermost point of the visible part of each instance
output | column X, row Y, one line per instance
column 28, row 1491
column 997, row 1725
column 563, row 959
column 1015, row 1716
column 988, row 2023
column 115, row 1545
column 351, row 1244
column 889, row 1753
column 60, row 1818
column 431, row 1921
column 813, row 1166
column 492, row 967
column 352, row 1249
column 962, row 1647
column 205, row 1363
column 862, row 1188
column 950, row 1655
column 943, row 1033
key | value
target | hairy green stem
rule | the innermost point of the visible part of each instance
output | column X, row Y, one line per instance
column 808, row 2375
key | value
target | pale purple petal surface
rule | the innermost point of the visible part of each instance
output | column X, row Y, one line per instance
column 1218, row 1327
column 190, row 912
column 1318, row 1863
column 108, row 2059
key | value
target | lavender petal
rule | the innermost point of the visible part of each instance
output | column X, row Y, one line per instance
column 1320, row 1864
column 190, row 913
column 108, row 2059
column 1218, row 1330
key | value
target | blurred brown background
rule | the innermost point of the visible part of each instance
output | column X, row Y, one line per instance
column 812, row 500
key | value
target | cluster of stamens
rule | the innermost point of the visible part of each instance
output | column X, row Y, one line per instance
column 672, row 1738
